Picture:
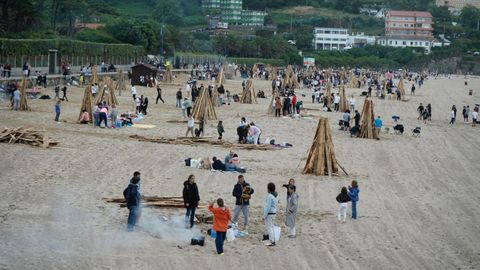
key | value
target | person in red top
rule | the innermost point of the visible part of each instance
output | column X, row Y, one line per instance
column 221, row 217
column 294, row 103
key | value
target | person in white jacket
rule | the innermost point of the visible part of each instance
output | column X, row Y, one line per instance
column 269, row 214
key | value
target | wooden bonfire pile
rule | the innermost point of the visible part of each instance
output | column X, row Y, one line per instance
column 367, row 124
column 271, row 106
column 87, row 103
column 94, row 75
column 343, row 99
column 26, row 136
column 401, row 88
column 290, row 79
column 120, row 86
column 204, row 108
column 155, row 201
column 107, row 93
column 23, row 106
column 328, row 100
column 221, row 76
column 215, row 96
column 249, row 96
column 169, row 74
column 321, row 158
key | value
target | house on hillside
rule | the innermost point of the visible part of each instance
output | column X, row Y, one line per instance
column 408, row 29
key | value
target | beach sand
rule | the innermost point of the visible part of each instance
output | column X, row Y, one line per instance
column 418, row 208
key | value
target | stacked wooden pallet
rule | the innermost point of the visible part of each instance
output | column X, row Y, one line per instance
column 26, row 136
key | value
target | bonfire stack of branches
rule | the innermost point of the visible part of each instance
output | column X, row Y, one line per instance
column 168, row 74
column 23, row 105
column 290, row 79
column 94, row 75
column 87, row 103
column 249, row 96
column 215, row 96
column 107, row 93
column 353, row 81
column 120, row 82
column 343, row 99
column 203, row 108
column 321, row 158
column 271, row 105
column 367, row 124
column 221, row 76
column 401, row 88
column 327, row 100
column 26, row 136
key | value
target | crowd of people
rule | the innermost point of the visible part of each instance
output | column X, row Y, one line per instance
column 223, row 218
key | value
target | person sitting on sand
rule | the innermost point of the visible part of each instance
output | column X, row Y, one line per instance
column 218, row 164
column 233, row 163
column 84, row 117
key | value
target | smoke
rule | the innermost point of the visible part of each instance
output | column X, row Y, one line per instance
column 170, row 228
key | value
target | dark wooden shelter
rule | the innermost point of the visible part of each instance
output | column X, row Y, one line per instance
column 142, row 70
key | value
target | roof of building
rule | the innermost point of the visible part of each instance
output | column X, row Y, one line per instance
column 406, row 13
column 145, row 65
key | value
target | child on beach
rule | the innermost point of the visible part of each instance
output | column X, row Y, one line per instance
column 343, row 199
column 220, row 129
column 353, row 194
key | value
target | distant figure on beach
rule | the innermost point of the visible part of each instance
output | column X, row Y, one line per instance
column 291, row 210
column 221, row 217
column 159, row 95
column 220, row 130
column 353, row 194
column 343, row 200
column 378, row 125
column 191, row 197
column 16, row 99
column 132, row 198
column 178, row 95
column 58, row 108
column 269, row 214
column 453, row 115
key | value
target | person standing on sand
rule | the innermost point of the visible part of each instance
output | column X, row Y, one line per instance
column 353, row 194
column 16, row 99
column 474, row 117
column 132, row 198
column 290, row 182
column 343, row 199
column 190, row 125
column 420, row 110
column 242, row 193
column 452, row 116
column 220, row 130
column 191, row 197
column 58, row 108
column 378, row 125
column 179, row 98
column 429, row 111
column 291, row 210
column 269, row 214
column 159, row 94
column 221, row 217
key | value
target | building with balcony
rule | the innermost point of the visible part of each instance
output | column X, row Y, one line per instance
column 330, row 38
column 408, row 29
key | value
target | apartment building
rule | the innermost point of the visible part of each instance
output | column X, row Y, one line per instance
column 330, row 38
column 408, row 29
column 457, row 5
column 231, row 12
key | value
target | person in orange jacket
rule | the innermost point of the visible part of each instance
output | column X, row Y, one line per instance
column 221, row 217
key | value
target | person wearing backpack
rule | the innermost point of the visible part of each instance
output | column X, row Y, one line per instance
column 132, row 198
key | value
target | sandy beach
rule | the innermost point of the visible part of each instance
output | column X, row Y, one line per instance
column 418, row 208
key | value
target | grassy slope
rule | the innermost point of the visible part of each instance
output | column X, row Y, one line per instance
column 303, row 13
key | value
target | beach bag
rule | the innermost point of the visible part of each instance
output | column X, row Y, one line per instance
column 230, row 235
column 277, row 231
column 198, row 240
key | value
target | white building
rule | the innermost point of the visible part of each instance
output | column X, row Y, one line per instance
column 330, row 38
column 405, row 42
column 360, row 40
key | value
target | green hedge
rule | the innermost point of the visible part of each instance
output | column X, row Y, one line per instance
column 252, row 61
column 30, row 47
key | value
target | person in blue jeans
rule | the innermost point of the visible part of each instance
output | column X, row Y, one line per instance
column 132, row 198
column 353, row 193
column 191, row 198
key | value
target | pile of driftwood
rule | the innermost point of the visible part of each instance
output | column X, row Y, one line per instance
column 155, row 201
column 249, row 96
column 367, row 123
column 200, row 140
column 204, row 108
column 26, row 136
